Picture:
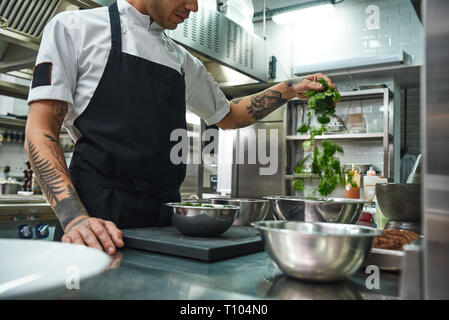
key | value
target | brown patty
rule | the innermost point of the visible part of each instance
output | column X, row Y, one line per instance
column 394, row 239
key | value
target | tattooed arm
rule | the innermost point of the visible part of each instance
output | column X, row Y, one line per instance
column 44, row 123
column 248, row 110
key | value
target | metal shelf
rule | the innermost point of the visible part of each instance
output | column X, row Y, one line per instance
column 360, row 94
column 299, row 175
column 12, row 123
column 339, row 136
column 296, row 109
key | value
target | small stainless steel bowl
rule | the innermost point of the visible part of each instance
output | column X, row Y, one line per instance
column 316, row 251
column 337, row 210
column 202, row 221
column 251, row 210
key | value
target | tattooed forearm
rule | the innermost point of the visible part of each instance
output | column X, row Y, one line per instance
column 243, row 124
column 292, row 82
column 50, row 181
column 57, row 154
column 250, row 109
column 237, row 101
column 51, row 138
column 69, row 207
column 52, row 175
column 76, row 223
column 58, row 111
column 264, row 103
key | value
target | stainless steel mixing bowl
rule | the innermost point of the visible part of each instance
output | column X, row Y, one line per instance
column 251, row 210
column 202, row 221
column 399, row 201
column 316, row 251
column 338, row 210
column 287, row 288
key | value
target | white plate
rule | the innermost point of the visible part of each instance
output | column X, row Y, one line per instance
column 35, row 269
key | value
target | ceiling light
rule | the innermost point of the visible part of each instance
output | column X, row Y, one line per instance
column 302, row 14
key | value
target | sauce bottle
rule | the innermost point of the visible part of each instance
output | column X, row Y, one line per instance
column 352, row 184
column 369, row 184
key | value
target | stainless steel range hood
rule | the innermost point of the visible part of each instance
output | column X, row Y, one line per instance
column 22, row 23
column 231, row 54
column 216, row 38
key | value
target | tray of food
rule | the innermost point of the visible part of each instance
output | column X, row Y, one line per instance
column 387, row 251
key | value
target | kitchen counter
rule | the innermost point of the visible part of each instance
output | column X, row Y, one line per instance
column 137, row 274
column 14, row 207
column 16, row 199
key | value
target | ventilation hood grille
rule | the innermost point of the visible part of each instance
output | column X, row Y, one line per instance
column 212, row 35
column 28, row 17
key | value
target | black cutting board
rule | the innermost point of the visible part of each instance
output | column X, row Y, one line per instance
column 234, row 242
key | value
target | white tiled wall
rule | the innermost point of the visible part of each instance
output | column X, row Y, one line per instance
column 14, row 156
column 344, row 33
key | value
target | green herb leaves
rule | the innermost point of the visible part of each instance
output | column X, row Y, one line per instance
column 322, row 102
column 324, row 164
column 327, row 166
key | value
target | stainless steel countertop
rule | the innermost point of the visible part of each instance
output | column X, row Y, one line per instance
column 16, row 199
column 144, row 275
column 15, row 206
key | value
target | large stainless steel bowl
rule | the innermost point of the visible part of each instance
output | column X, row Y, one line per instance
column 316, row 251
column 337, row 210
column 399, row 201
column 202, row 221
column 251, row 210
column 287, row 288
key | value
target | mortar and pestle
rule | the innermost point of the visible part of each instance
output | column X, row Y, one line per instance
column 400, row 203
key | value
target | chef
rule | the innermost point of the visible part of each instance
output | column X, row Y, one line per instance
column 119, row 86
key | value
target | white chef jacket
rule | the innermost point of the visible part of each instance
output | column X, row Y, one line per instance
column 77, row 43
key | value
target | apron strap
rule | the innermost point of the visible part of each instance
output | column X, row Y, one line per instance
column 116, row 35
column 136, row 185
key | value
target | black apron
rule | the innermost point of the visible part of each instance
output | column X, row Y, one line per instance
column 121, row 164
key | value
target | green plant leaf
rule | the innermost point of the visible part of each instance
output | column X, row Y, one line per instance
column 303, row 129
column 298, row 184
column 323, row 163
column 306, row 145
column 323, row 119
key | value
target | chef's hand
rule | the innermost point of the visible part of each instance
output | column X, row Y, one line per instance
column 307, row 83
column 90, row 231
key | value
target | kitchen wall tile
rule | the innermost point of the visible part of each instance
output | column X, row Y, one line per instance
column 400, row 39
column 14, row 156
column 348, row 35
column 381, row 3
column 410, row 28
column 399, row 20
column 395, row 2
column 389, row 11
column 390, row 31
column 406, row 8
column 417, row 38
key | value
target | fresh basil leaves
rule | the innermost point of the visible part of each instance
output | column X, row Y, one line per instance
column 324, row 162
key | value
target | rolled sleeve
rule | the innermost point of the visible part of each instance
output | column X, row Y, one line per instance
column 204, row 96
column 57, row 49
